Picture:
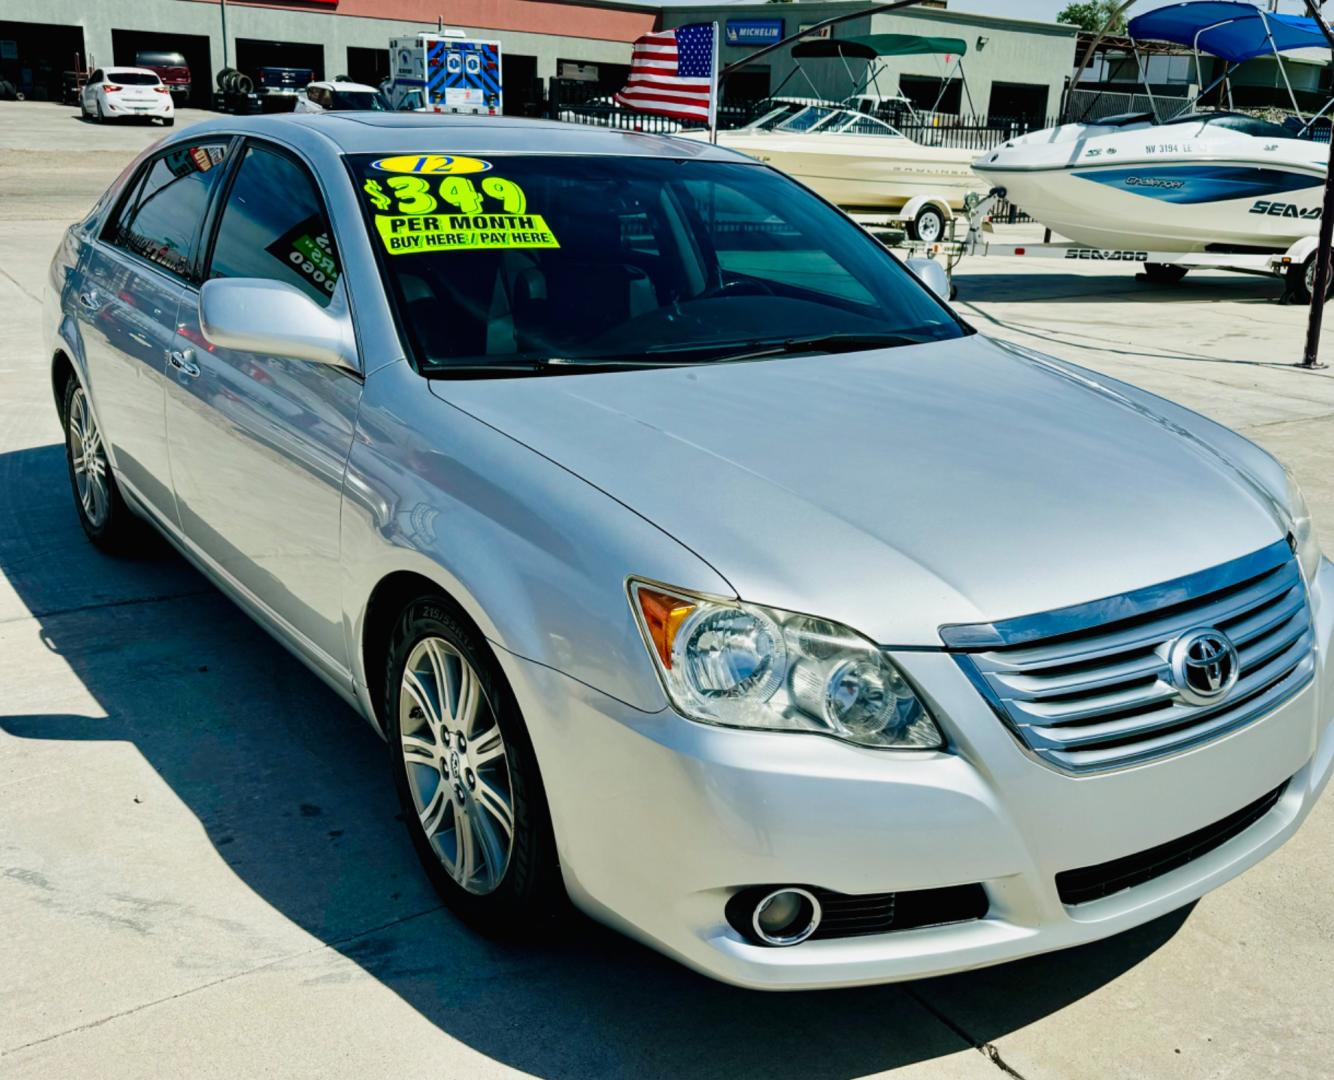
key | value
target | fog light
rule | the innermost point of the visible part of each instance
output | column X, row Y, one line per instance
column 786, row 917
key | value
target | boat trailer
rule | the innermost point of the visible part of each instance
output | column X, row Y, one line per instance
column 1295, row 266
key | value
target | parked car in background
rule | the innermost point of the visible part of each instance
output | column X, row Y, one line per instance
column 171, row 68
column 605, row 112
column 279, row 87
column 327, row 96
column 126, row 93
column 694, row 558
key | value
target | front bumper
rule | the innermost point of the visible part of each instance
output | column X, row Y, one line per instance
column 659, row 820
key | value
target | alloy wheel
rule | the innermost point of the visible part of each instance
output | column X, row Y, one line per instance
column 89, row 460
column 457, row 768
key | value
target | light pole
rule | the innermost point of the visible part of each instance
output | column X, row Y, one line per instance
column 1311, row 354
column 222, row 6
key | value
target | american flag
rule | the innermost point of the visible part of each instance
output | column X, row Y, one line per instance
column 671, row 73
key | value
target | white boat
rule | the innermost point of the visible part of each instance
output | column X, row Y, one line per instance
column 1203, row 181
column 854, row 160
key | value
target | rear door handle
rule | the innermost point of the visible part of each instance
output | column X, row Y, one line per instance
column 88, row 301
column 184, row 362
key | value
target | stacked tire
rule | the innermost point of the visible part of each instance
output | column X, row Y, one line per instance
column 231, row 81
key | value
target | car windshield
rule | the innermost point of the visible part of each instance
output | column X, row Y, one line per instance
column 133, row 78
column 529, row 262
column 359, row 99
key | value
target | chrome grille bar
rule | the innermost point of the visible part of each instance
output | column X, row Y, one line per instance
column 1100, row 694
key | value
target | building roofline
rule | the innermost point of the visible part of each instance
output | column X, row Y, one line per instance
column 1006, row 22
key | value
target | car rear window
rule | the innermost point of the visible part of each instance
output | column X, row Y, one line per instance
column 133, row 78
column 507, row 259
column 359, row 99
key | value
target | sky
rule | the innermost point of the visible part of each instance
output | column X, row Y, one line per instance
column 1042, row 10
column 1046, row 9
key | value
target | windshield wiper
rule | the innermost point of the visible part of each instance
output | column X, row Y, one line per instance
column 555, row 365
column 661, row 356
column 815, row 343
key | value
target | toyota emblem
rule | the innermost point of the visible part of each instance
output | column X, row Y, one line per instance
column 1205, row 665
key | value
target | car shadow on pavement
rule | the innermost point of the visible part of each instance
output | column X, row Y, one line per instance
column 1118, row 284
column 293, row 792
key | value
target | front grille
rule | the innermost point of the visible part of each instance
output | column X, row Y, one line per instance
column 1090, row 688
column 1095, row 882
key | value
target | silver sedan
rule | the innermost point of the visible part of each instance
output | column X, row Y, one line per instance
column 695, row 560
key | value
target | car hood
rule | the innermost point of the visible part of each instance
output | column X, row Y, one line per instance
column 899, row 490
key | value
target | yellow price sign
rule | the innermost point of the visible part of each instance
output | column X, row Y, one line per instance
column 415, row 221
column 406, row 234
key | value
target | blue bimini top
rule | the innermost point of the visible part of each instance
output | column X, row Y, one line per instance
column 1228, row 29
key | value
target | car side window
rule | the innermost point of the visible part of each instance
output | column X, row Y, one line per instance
column 160, row 220
column 95, row 77
column 274, row 226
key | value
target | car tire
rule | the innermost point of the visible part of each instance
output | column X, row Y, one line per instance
column 169, row 121
column 928, row 226
column 433, row 662
column 101, row 116
column 105, row 518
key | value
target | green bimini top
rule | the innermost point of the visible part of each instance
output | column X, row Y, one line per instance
column 873, row 45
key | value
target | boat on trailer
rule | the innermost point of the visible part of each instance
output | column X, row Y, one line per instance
column 854, row 158
column 1200, row 181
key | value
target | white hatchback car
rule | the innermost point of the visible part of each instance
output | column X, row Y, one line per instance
column 117, row 92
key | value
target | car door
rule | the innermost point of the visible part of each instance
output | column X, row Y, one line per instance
column 132, row 283
column 259, row 443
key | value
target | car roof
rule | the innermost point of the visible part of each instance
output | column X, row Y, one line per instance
column 445, row 133
column 343, row 84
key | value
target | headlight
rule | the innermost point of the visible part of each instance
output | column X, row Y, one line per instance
column 743, row 665
column 1303, row 531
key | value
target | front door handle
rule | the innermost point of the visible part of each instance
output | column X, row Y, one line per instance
column 88, row 301
column 184, row 362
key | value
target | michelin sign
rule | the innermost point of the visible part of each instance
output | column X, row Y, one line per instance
column 753, row 31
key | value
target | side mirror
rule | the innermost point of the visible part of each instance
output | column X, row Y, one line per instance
column 933, row 276
column 274, row 318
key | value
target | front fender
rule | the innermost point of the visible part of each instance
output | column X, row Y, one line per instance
column 536, row 556
column 63, row 334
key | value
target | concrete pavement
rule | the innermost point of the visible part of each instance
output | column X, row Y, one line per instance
column 201, row 872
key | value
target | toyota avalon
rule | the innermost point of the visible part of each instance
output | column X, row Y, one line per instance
column 695, row 560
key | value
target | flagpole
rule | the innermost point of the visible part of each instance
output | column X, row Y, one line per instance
column 713, row 89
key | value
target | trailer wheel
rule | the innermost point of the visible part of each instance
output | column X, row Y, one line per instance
column 1301, row 281
column 1164, row 273
column 928, row 226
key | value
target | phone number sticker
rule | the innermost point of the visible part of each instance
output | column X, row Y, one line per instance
column 413, row 214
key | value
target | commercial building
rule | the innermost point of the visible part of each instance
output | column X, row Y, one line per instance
column 541, row 38
column 1012, row 68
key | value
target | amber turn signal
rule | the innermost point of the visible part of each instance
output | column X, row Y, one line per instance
column 663, row 616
